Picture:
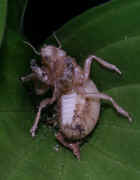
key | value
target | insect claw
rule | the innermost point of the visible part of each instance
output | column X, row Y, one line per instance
column 77, row 156
column 118, row 71
column 130, row 119
column 21, row 79
column 115, row 68
column 75, row 149
column 32, row 131
column 33, row 134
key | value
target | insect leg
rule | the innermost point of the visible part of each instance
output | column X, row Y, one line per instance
column 39, row 90
column 115, row 105
column 27, row 78
column 33, row 75
column 43, row 104
column 57, row 40
column 74, row 146
column 105, row 64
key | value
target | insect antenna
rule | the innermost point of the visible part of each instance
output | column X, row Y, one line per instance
column 57, row 40
column 35, row 51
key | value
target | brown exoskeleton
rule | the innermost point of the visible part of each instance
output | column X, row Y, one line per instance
column 77, row 96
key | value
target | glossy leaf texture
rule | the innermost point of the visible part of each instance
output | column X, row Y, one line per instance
column 16, row 10
column 3, row 15
column 110, row 31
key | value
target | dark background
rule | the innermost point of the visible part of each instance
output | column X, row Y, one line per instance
column 44, row 17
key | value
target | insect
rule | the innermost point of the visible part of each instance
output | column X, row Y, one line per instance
column 77, row 96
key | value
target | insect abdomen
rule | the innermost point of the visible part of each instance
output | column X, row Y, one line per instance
column 79, row 113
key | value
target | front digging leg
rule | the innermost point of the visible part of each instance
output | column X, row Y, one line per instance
column 43, row 104
column 74, row 146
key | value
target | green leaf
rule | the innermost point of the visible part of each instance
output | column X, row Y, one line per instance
column 100, row 27
column 112, row 150
column 3, row 12
column 16, row 10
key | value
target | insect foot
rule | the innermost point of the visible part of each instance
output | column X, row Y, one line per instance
column 22, row 79
column 33, row 130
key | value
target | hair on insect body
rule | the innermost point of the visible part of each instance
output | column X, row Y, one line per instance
column 77, row 96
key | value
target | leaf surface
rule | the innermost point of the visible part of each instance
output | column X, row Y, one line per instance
column 112, row 150
column 16, row 10
column 3, row 15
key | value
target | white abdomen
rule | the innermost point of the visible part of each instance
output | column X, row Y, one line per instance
column 68, row 107
column 79, row 113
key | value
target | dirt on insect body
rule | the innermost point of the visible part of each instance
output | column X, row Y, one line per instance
column 76, row 95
